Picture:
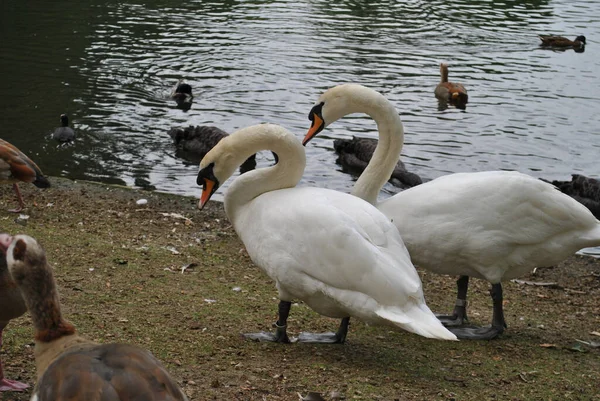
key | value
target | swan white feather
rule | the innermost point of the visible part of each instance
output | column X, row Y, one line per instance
column 334, row 251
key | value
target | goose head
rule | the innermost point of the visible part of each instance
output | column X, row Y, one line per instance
column 339, row 101
column 24, row 256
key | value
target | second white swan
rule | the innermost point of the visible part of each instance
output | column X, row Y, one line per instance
column 334, row 251
column 494, row 225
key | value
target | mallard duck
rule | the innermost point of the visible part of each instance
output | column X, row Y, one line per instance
column 15, row 167
column 451, row 92
column 70, row 367
column 559, row 41
column 356, row 153
column 64, row 133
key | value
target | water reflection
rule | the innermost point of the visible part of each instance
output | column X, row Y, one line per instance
column 112, row 66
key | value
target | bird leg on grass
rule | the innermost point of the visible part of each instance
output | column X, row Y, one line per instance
column 485, row 333
column 459, row 315
column 280, row 335
column 9, row 385
column 20, row 198
column 327, row 338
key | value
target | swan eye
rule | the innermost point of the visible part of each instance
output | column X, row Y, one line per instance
column 318, row 110
column 206, row 173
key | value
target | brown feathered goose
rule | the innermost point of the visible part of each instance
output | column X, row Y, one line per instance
column 15, row 167
column 356, row 153
column 451, row 92
column 11, row 307
column 69, row 367
column 198, row 141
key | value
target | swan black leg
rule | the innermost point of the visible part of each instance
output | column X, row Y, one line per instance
column 459, row 315
column 485, row 333
column 280, row 335
column 327, row 338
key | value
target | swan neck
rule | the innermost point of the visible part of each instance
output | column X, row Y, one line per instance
column 285, row 174
column 386, row 155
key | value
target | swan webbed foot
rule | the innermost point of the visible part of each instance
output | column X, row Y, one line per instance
column 476, row 333
column 320, row 338
column 452, row 320
column 458, row 316
column 327, row 338
column 280, row 335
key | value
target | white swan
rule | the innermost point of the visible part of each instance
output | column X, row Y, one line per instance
column 492, row 225
column 334, row 251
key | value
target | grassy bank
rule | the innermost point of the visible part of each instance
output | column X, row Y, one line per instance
column 119, row 271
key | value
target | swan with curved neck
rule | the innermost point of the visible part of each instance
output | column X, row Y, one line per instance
column 493, row 225
column 334, row 251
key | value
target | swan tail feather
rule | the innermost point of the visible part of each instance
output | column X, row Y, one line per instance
column 424, row 322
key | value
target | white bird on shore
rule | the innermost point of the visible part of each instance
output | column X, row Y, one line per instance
column 494, row 225
column 334, row 251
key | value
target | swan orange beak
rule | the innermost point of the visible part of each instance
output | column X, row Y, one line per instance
column 208, row 189
column 317, row 126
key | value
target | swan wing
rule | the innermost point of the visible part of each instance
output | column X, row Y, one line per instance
column 490, row 218
column 334, row 238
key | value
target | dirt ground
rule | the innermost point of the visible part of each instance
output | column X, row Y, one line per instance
column 119, row 270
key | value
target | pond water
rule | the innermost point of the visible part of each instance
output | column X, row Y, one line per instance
column 111, row 65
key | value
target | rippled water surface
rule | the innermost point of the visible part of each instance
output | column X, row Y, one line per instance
column 111, row 65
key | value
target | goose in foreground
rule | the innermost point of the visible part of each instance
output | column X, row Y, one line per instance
column 584, row 190
column 64, row 133
column 334, row 251
column 182, row 94
column 493, row 225
column 355, row 154
column 70, row 367
column 450, row 92
column 15, row 167
column 11, row 307
column 197, row 141
column 559, row 41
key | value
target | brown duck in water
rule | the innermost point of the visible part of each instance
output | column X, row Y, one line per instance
column 559, row 41
column 15, row 167
column 356, row 153
column 451, row 92
column 69, row 367
column 12, row 306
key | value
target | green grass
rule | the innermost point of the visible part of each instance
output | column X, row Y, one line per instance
column 130, row 297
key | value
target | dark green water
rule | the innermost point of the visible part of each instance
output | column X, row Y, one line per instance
column 111, row 65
